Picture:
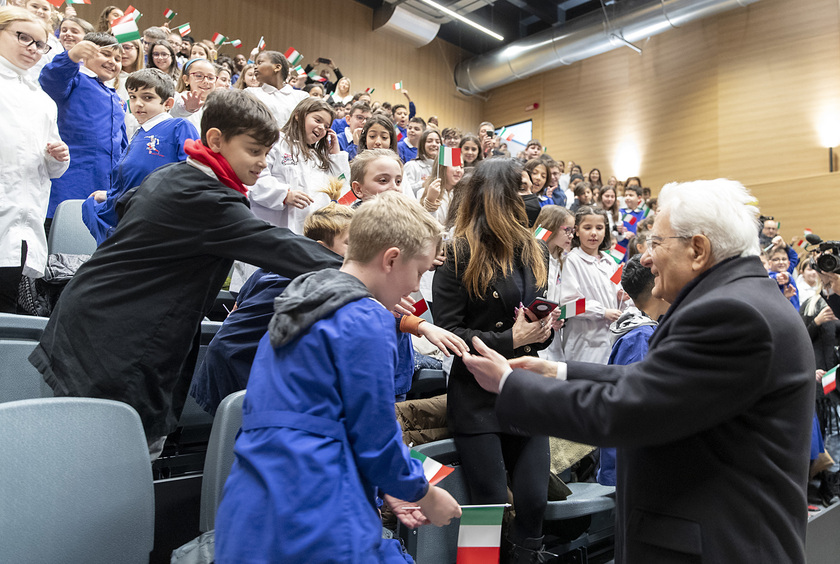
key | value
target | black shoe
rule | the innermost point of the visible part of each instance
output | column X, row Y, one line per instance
column 531, row 551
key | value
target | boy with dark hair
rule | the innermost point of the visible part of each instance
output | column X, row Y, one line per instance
column 407, row 147
column 632, row 208
column 128, row 325
column 91, row 117
column 348, row 139
column 533, row 150
column 401, row 115
column 632, row 331
column 159, row 141
column 319, row 434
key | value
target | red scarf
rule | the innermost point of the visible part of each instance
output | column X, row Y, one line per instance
column 200, row 152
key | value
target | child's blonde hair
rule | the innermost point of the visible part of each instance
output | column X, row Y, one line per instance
column 330, row 221
column 11, row 14
column 391, row 219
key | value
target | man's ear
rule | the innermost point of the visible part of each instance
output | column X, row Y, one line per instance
column 389, row 258
column 701, row 252
column 214, row 139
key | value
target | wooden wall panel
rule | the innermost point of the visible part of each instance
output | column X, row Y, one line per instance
column 741, row 95
column 338, row 29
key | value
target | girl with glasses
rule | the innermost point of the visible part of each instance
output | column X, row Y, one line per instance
column 198, row 79
column 162, row 57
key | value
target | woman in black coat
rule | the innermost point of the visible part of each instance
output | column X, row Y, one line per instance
column 493, row 266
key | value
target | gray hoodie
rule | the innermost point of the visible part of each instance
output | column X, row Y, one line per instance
column 628, row 321
column 310, row 298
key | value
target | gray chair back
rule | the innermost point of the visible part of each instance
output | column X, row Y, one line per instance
column 68, row 233
column 19, row 335
column 75, row 483
column 219, row 459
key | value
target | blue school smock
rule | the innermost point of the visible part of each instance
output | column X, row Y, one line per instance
column 318, row 436
column 639, row 213
column 338, row 125
column 161, row 144
column 406, row 153
column 91, row 120
column 346, row 144
column 412, row 111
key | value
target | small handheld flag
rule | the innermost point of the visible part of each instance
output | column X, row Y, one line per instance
column 828, row 380
column 313, row 74
column 542, row 233
column 299, row 70
column 420, row 307
column 502, row 132
column 480, row 534
column 169, row 14
column 125, row 29
column 398, row 85
column 432, row 469
column 348, row 198
column 261, row 44
column 621, row 247
column 369, row 90
column 70, row 2
column 133, row 12
column 56, row 3
column 449, row 156
column 236, row 43
column 571, row 309
column 629, row 219
column 218, row 39
column 801, row 242
column 293, row 55
column 616, row 277
column 184, row 29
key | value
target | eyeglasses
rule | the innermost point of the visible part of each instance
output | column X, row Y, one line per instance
column 202, row 77
column 653, row 242
column 26, row 40
column 161, row 56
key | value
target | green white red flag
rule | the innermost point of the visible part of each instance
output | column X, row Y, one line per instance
column 293, row 55
column 236, row 43
column 542, row 233
column 480, row 534
column 261, row 44
column 828, row 380
column 629, row 219
column 398, row 85
column 313, row 74
column 616, row 277
column 348, row 198
column 218, row 39
column 169, row 14
column 449, row 156
column 70, row 2
column 571, row 309
column 133, row 12
column 432, row 469
column 125, row 29
column 184, row 29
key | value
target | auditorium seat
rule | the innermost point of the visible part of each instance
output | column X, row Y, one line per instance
column 68, row 233
column 19, row 334
column 76, row 483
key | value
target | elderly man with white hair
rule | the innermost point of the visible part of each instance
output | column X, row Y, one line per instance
column 713, row 427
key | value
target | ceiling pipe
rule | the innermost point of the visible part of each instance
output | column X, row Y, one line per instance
column 595, row 33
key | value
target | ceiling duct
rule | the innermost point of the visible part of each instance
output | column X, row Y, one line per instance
column 405, row 25
column 597, row 32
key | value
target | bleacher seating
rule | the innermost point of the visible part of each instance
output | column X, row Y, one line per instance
column 68, row 233
column 19, row 334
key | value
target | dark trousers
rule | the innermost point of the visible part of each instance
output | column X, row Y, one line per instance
column 10, row 282
column 489, row 458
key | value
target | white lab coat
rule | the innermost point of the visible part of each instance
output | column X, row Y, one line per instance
column 180, row 110
column 28, row 122
column 586, row 337
column 554, row 351
column 281, row 102
column 414, row 174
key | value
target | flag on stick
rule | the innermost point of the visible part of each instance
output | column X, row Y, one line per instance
column 218, row 39
column 70, row 2
column 433, row 470
column 615, row 255
column 503, row 132
column 369, row 90
column 801, row 242
column 828, row 381
column 449, row 156
column 542, row 233
column 236, row 43
column 293, row 55
column 616, row 277
column 347, row 198
column 420, row 307
column 398, row 85
column 480, row 534
column 313, row 74
column 56, row 3
column 125, row 29
column 261, row 44
column 572, row 309
column 133, row 12
column 629, row 219
column 184, row 29
column 169, row 14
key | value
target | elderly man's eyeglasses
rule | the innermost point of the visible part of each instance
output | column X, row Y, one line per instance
column 654, row 241
column 26, row 40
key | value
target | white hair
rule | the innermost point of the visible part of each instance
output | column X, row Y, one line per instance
column 722, row 210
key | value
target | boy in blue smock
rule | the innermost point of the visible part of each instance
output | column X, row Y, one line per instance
column 632, row 208
column 319, row 435
column 91, row 117
column 632, row 331
column 407, row 147
column 159, row 141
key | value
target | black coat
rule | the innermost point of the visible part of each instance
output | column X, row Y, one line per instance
column 125, row 326
column 470, row 409
column 713, row 427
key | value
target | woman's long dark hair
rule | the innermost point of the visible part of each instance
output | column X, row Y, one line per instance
column 295, row 132
column 384, row 121
column 490, row 223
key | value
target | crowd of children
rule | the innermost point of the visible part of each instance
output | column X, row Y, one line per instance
column 191, row 164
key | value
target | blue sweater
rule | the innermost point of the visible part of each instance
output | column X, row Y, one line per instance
column 406, row 153
column 148, row 150
column 91, row 120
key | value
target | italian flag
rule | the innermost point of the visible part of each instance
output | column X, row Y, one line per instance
column 480, row 534
column 299, row 70
column 616, row 277
column 571, row 309
column 236, row 43
column 432, row 469
column 348, row 198
column 420, row 308
column 542, row 233
column 398, row 85
column 802, row 241
column 125, row 29
column 449, row 156
column 616, row 255
column 56, row 3
column 503, row 134
column 509, row 137
column 133, row 12
column 184, row 29
column 621, row 247
column 169, row 14
column 369, row 90
column 293, row 55
column 261, row 44
column 313, row 74
column 69, row 2
column 218, row 39
column 828, row 380
column 629, row 219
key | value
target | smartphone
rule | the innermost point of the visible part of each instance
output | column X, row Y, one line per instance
column 541, row 307
column 323, row 60
column 491, row 133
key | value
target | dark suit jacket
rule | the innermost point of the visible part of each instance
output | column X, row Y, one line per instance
column 469, row 408
column 713, row 427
